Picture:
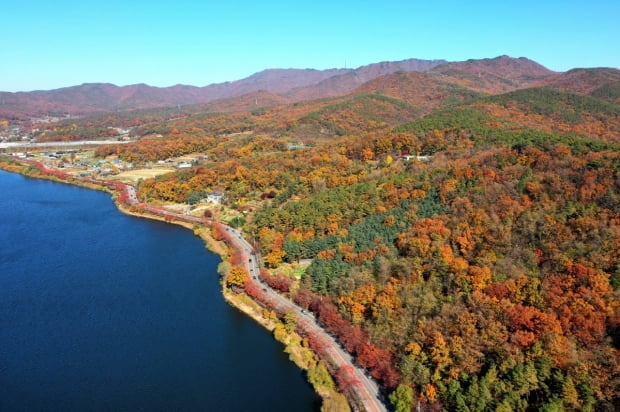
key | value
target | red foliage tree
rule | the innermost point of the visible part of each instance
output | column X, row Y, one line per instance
column 217, row 231
column 123, row 197
column 279, row 282
column 306, row 299
column 345, row 376
column 354, row 338
column 580, row 299
column 380, row 364
column 529, row 323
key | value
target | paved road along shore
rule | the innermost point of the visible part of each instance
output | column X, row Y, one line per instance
column 365, row 390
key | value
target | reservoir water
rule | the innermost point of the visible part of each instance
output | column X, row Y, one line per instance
column 102, row 311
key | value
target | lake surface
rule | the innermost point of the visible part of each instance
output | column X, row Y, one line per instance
column 103, row 311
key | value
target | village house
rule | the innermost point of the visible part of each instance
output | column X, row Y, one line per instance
column 418, row 158
column 184, row 165
column 215, row 197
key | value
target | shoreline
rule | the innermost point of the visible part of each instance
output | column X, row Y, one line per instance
column 248, row 306
column 251, row 308
column 211, row 244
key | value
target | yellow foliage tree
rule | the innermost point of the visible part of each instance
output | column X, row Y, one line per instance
column 274, row 258
column 237, row 276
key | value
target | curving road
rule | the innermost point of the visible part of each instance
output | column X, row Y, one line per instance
column 366, row 389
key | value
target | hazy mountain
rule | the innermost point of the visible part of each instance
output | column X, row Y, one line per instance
column 422, row 83
column 418, row 89
column 278, row 81
column 603, row 83
column 347, row 82
column 94, row 97
column 498, row 75
column 100, row 97
column 246, row 102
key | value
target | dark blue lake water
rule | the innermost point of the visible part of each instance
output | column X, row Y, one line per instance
column 102, row 311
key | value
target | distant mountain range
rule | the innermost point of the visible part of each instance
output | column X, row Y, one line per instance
column 293, row 83
column 486, row 76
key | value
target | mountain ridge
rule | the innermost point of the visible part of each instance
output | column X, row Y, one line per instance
column 101, row 97
column 486, row 76
column 345, row 83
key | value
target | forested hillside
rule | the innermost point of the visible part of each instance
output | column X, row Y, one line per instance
column 464, row 246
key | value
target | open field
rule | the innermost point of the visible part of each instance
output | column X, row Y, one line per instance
column 132, row 176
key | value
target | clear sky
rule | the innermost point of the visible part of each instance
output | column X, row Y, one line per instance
column 52, row 44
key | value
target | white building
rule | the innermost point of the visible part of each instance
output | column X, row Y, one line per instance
column 418, row 158
column 215, row 197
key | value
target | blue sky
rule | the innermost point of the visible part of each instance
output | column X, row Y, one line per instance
column 52, row 44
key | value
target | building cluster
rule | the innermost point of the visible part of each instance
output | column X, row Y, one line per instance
column 13, row 134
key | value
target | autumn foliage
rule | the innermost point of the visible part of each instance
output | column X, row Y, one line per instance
column 237, row 276
column 471, row 255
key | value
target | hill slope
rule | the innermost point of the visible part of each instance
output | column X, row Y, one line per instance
column 598, row 82
column 418, row 89
column 498, row 75
column 347, row 82
column 484, row 274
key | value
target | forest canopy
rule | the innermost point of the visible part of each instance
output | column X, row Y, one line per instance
column 468, row 256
